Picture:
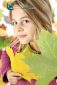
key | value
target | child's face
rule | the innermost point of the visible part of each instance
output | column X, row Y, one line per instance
column 24, row 28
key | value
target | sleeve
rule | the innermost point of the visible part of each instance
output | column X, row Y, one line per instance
column 54, row 81
column 0, row 54
column 5, row 66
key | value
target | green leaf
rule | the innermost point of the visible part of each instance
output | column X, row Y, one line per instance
column 6, row 42
column 1, row 43
column 45, row 64
column 48, row 63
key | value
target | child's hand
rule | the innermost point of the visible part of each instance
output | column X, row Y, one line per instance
column 13, row 77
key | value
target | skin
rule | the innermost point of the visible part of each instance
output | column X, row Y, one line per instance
column 22, row 25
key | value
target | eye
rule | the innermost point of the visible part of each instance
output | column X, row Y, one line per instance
column 13, row 23
column 25, row 21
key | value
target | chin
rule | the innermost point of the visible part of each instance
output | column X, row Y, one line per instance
column 24, row 42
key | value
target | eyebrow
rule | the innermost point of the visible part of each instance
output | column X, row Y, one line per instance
column 22, row 17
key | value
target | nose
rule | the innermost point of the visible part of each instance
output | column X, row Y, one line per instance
column 20, row 28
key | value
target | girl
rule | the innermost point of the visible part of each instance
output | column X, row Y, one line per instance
column 28, row 17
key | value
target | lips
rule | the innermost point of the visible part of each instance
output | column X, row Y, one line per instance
column 22, row 36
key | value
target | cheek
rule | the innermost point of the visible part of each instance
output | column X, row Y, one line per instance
column 15, row 31
column 31, row 32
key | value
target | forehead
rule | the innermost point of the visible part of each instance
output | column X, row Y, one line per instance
column 18, row 13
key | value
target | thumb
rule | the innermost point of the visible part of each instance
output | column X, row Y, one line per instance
column 17, row 74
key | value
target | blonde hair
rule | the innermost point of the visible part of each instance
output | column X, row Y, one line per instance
column 39, row 11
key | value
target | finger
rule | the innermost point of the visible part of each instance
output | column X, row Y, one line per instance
column 13, row 80
column 16, row 74
column 18, row 78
